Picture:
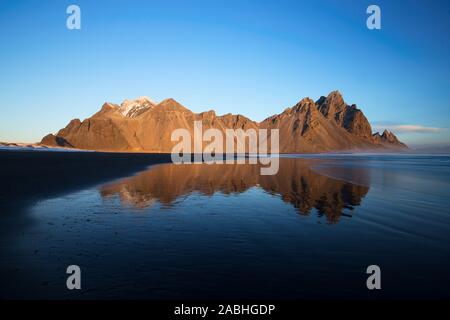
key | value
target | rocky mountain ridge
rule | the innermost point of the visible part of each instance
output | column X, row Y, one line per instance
column 142, row 125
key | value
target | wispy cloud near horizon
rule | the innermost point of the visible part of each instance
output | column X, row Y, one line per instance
column 405, row 128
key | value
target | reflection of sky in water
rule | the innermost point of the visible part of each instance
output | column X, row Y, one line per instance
column 227, row 232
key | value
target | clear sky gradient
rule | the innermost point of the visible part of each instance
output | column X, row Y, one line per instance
column 250, row 57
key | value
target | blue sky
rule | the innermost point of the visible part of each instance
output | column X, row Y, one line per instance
column 250, row 57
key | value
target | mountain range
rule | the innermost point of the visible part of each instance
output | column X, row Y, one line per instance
column 142, row 125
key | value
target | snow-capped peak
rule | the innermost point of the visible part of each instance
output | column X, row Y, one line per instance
column 133, row 108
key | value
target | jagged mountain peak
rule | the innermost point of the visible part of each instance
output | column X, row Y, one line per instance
column 332, row 104
column 335, row 95
column 304, row 103
column 390, row 137
column 387, row 139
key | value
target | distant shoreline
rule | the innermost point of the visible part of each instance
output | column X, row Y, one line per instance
column 19, row 147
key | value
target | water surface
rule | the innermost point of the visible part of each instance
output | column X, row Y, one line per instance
column 225, row 231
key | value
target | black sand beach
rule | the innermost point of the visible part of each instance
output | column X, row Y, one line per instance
column 28, row 176
column 222, row 231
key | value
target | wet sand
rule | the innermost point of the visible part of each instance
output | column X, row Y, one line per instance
column 223, row 232
column 29, row 176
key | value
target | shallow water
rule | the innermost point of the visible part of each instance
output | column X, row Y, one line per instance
column 225, row 231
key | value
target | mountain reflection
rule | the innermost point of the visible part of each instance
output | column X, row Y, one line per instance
column 296, row 183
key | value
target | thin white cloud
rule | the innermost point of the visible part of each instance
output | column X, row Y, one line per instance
column 407, row 128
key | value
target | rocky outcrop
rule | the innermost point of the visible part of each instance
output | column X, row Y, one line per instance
column 348, row 117
column 51, row 140
column 387, row 139
column 142, row 125
column 304, row 129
